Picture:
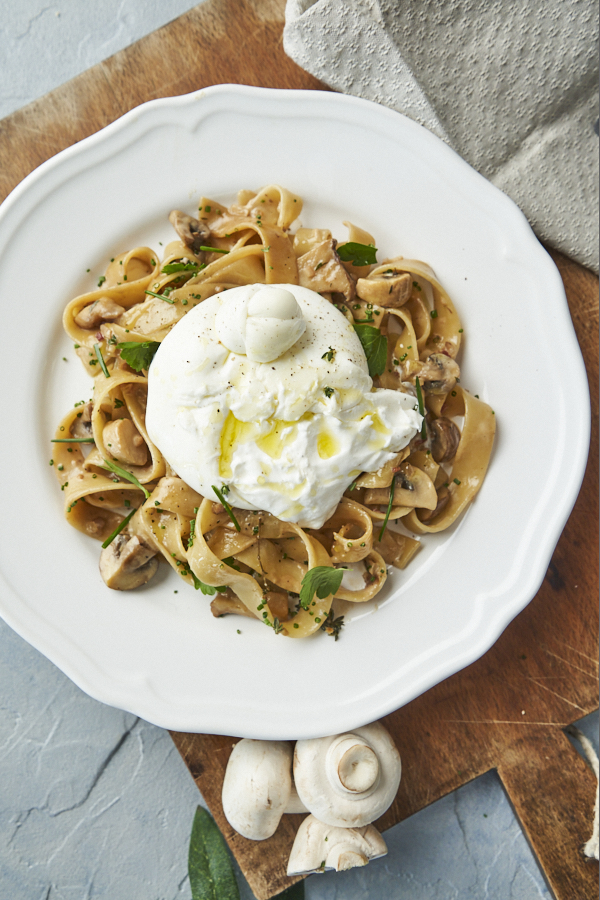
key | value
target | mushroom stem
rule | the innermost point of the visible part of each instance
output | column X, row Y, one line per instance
column 295, row 804
column 352, row 764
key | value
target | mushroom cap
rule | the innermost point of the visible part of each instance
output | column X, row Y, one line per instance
column 127, row 563
column 318, row 847
column 348, row 780
column 257, row 787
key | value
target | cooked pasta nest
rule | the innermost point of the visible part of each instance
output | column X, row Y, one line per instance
column 258, row 570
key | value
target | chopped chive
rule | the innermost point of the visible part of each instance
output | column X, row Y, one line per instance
column 100, row 359
column 226, row 506
column 434, row 313
column 123, row 473
column 72, row 441
column 389, row 509
column 118, row 529
column 213, row 250
column 159, row 297
column 421, row 408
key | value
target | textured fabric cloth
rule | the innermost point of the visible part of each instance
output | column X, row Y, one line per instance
column 511, row 86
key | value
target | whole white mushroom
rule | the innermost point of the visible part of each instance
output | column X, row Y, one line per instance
column 318, row 847
column 258, row 788
column 348, row 780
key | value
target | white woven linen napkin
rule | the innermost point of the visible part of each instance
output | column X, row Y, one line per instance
column 511, row 86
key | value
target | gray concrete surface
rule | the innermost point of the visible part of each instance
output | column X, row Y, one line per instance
column 95, row 803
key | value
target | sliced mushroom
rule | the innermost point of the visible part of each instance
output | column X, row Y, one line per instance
column 102, row 310
column 413, row 487
column 225, row 605
column 278, row 605
column 383, row 476
column 321, row 270
column 388, row 289
column 82, row 426
column 257, row 787
column 445, row 438
column 348, row 780
column 125, row 442
column 443, row 496
column 437, row 374
column 127, row 563
column 192, row 232
column 318, row 847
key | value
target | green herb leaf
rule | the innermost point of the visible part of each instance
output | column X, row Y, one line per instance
column 171, row 268
column 375, row 347
column 123, row 473
column 72, row 441
column 230, row 561
column 118, row 529
column 322, row 580
column 209, row 863
column 225, row 504
column 160, row 297
column 207, row 589
column 138, row 355
column 389, row 509
column 100, row 359
column 357, row 254
column 333, row 626
column 421, row 408
column 214, row 250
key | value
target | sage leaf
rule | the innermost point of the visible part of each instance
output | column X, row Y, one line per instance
column 357, row 254
column 375, row 347
column 209, row 863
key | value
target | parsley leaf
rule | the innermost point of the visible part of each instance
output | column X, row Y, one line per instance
column 357, row 254
column 375, row 347
column 322, row 580
column 123, row 473
column 137, row 354
column 206, row 588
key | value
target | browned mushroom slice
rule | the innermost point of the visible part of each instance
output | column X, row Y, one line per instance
column 445, row 437
column 82, row 426
column 102, row 310
column 443, row 496
column 192, row 232
column 388, row 289
column 412, row 488
column 437, row 374
column 125, row 442
column 383, row 476
column 278, row 605
column 321, row 270
column 127, row 563
column 224, row 605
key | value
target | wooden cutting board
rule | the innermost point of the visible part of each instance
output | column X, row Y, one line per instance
column 507, row 711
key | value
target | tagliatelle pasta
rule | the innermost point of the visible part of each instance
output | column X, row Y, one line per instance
column 119, row 489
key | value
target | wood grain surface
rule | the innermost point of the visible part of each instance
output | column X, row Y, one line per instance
column 508, row 710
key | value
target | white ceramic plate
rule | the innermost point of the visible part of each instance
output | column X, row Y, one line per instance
column 160, row 653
